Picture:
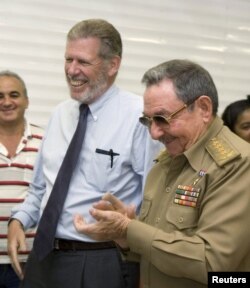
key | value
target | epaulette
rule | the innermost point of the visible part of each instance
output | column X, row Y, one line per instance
column 221, row 151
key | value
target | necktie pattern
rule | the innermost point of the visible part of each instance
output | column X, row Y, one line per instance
column 46, row 230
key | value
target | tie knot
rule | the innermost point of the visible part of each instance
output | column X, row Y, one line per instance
column 83, row 107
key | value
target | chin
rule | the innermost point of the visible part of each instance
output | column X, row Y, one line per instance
column 78, row 96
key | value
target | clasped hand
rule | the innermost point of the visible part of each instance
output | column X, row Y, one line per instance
column 112, row 218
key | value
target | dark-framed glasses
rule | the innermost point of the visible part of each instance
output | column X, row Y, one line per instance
column 160, row 119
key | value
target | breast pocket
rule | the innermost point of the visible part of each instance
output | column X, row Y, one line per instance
column 182, row 217
column 96, row 171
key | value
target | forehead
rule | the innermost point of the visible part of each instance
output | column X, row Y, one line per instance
column 160, row 96
column 245, row 115
column 9, row 83
column 83, row 47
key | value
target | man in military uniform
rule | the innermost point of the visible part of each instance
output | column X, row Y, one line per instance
column 195, row 213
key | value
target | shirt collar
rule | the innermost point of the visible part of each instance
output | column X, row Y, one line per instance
column 26, row 135
column 27, row 130
column 97, row 105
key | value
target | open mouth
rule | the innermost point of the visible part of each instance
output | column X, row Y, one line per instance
column 78, row 83
column 7, row 110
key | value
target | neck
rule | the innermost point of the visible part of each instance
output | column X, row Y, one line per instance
column 11, row 129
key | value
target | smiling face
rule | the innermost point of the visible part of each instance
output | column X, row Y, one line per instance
column 186, row 127
column 13, row 101
column 88, row 76
column 242, row 125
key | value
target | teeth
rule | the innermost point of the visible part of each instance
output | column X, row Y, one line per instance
column 77, row 82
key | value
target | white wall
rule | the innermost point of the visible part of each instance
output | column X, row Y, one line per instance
column 214, row 33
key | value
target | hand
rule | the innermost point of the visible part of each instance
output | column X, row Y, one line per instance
column 110, row 225
column 16, row 242
column 110, row 203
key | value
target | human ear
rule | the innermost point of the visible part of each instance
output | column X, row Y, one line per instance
column 205, row 106
column 114, row 65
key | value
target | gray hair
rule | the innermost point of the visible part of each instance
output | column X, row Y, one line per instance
column 7, row 73
column 111, row 43
column 190, row 80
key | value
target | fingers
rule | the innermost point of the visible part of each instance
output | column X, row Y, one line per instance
column 110, row 225
column 79, row 222
column 22, row 245
column 131, row 211
column 103, row 205
column 82, row 226
column 12, row 250
column 89, row 229
column 17, row 267
column 115, row 202
column 98, row 214
column 16, row 242
column 117, row 205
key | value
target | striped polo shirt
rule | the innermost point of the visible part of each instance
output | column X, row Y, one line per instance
column 15, row 176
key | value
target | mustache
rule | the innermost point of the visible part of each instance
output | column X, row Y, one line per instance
column 166, row 139
column 77, row 78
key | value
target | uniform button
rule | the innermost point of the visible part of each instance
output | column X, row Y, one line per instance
column 157, row 220
column 168, row 189
column 181, row 219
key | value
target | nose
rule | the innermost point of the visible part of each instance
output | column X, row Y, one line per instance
column 72, row 68
column 156, row 131
column 6, row 101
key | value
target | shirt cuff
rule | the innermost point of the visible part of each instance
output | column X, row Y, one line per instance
column 23, row 218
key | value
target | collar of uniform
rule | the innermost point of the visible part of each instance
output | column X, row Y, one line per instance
column 195, row 153
column 162, row 157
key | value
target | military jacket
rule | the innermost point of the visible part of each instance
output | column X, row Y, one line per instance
column 196, row 212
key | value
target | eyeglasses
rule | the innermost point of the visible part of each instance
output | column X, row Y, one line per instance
column 160, row 119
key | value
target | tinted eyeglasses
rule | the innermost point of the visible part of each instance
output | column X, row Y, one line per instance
column 160, row 119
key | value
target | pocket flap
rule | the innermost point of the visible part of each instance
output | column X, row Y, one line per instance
column 182, row 217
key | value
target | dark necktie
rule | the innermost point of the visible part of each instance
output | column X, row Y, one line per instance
column 46, row 230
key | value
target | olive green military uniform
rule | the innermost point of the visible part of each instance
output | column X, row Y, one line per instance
column 196, row 212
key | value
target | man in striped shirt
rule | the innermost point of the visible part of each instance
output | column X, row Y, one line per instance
column 19, row 144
